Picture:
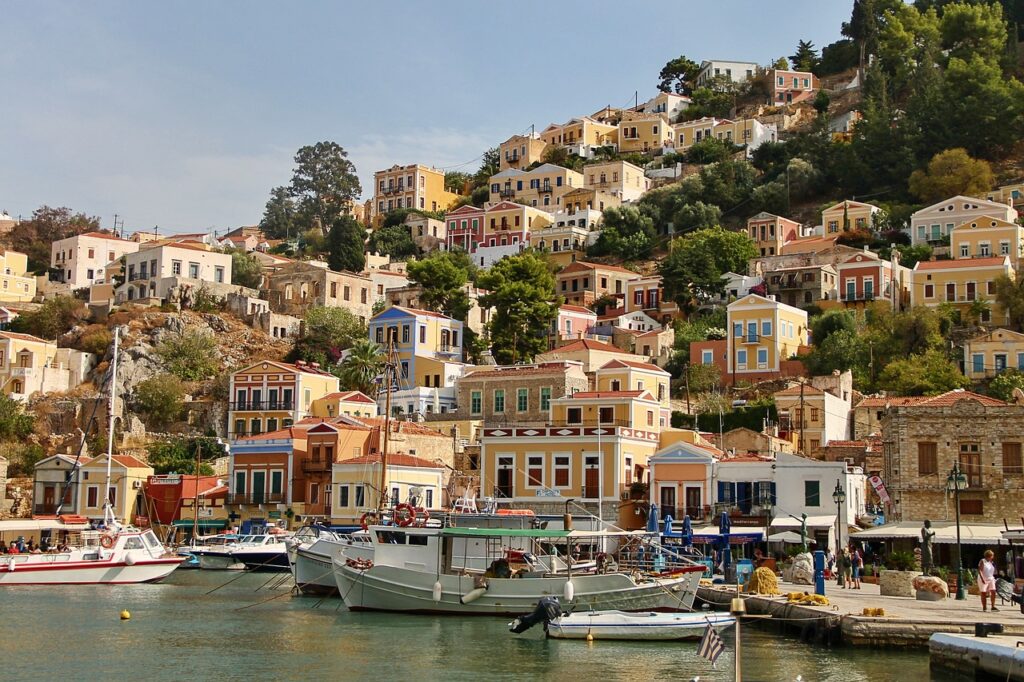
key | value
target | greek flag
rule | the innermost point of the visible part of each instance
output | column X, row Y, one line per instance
column 711, row 646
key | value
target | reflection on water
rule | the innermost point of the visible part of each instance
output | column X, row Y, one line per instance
column 177, row 632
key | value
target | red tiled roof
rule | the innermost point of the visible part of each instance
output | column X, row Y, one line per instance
column 892, row 401
column 795, row 390
column 585, row 265
column 609, row 394
column 587, row 344
column 402, row 426
column 576, row 309
column 651, row 367
column 102, row 235
column 125, row 460
column 417, row 311
column 962, row 263
column 350, row 397
column 22, row 337
column 846, row 444
column 613, row 313
column 516, row 372
column 271, row 435
column 942, row 400
column 395, row 459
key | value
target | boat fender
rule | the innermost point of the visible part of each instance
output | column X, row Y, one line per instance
column 404, row 515
column 10, row 564
column 129, row 560
column 569, row 591
column 437, row 592
column 359, row 564
column 472, row 595
column 107, row 541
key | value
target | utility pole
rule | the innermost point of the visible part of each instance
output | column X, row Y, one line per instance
column 686, row 385
column 801, row 441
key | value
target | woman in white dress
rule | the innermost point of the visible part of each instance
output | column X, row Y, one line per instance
column 987, row 578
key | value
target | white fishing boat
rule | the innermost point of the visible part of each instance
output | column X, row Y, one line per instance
column 620, row 625
column 312, row 552
column 126, row 555
column 503, row 571
column 255, row 552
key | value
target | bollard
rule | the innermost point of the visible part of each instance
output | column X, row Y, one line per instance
column 819, row 573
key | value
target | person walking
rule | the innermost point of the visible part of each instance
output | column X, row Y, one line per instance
column 857, row 559
column 846, row 566
column 987, row 578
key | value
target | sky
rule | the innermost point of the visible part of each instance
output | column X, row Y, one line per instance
column 184, row 115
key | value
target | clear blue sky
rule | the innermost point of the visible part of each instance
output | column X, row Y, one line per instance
column 186, row 114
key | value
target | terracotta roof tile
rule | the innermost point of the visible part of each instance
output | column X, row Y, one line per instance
column 585, row 265
column 962, row 263
column 608, row 394
column 576, row 309
column 395, row 459
column 649, row 366
column 403, row 426
column 588, row 344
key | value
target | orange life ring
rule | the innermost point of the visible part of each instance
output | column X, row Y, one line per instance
column 362, row 520
column 405, row 515
column 107, row 541
column 359, row 564
column 422, row 521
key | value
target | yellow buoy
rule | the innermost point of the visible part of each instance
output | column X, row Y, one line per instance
column 590, row 637
column 125, row 615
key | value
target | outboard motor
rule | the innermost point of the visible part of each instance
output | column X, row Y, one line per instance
column 548, row 608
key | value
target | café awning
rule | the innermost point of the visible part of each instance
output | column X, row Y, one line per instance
column 945, row 533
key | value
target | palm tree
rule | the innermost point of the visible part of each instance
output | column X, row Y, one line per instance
column 361, row 367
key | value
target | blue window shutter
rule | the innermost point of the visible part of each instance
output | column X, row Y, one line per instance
column 721, row 492
column 773, row 492
column 519, row 184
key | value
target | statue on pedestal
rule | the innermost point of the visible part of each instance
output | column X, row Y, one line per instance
column 927, row 537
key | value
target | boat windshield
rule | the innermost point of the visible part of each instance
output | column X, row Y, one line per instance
column 150, row 539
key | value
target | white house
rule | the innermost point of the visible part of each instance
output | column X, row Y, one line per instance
column 737, row 286
column 81, row 260
column 157, row 267
column 932, row 224
column 737, row 72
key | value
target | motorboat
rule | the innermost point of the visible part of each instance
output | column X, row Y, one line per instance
column 311, row 553
column 645, row 626
column 190, row 550
column 506, row 571
column 114, row 557
column 251, row 552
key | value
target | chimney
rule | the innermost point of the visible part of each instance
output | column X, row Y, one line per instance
column 300, row 363
column 315, row 365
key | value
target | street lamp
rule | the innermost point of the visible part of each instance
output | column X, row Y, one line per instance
column 766, row 507
column 955, row 482
column 839, row 496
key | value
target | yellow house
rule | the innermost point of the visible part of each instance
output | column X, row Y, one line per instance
column 581, row 135
column 991, row 353
column 596, row 445
column 355, row 485
column 619, row 178
column 412, row 186
column 127, row 477
column 848, row 215
column 961, row 283
column 28, row 365
column 689, row 133
column 1008, row 194
column 592, row 354
column 16, row 285
column 634, row 375
column 268, row 395
column 763, row 333
column 509, row 223
column 350, row 403
column 520, row 151
column 542, row 187
column 428, row 345
column 985, row 237
column 645, row 133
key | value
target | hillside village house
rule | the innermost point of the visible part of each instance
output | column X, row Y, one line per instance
column 814, row 417
column 668, row 104
column 268, row 395
column 582, row 283
column 865, row 277
column 356, row 482
column 803, row 285
column 54, row 486
column 748, row 132
column 572, row 322
column 632, row 375
column 992, row 353
column 789, row 87
column 543, row 187
column 590, row 353
column 568, row 237
column 620, row 318
column 681, row 480
column 348, row 403
column 1011, row 195
column 158, row 267
column 412, row 186
column 520, row 151
column 769, row 232
column 735, row 72
column 986, row 236
column 327, row 445
column 581, row 136
column 30, row 365
column 507, row 229
column 595, row 446
column 16, row 284
column 127, row 476
column 961, row 283
column 518, row 394
column 465, row 228
column 619, row 178
column 849, row 215
column 172, row 498
column 933, row 224
column 925, row 438
column 429, row 234
column 81, row 260
column 264, row 475
column 647, row 294
column 645, row 133
column 383, row 282
column 296, row 287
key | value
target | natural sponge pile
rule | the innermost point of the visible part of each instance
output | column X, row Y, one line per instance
column 763, row 581
column 806, row 599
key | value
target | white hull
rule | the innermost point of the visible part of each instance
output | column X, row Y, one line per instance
column 636, row 626
column 313, row 564
column 218, row 562
column 389, row 588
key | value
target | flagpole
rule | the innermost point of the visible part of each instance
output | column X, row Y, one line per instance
column 738, row 609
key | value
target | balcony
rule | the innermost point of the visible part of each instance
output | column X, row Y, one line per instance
column 857, row 296
column 512, row 158
column 256, row 498
column 317, row 466
column 506, row 193
column 261, row 405
column 394, row 189
column 545, row 189
column 750, row 338
column 796, row 283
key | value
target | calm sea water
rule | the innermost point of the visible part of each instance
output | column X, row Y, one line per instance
column 179, row 632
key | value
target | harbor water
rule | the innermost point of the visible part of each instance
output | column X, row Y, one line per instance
column 251, row 630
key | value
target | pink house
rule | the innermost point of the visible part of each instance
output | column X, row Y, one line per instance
column 573, row 322
column 465, row 228
column 788, row 87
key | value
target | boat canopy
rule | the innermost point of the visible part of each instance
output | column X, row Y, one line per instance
column 539, row 533
column 31, row 525
column 203, row 523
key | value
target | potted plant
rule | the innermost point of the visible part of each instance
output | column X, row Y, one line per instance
column 897, row 578
column 869, row 575
column 638, row 490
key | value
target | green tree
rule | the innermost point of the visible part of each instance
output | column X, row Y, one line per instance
column 822, row 102
column 693, row 269
column 929, row 373
column 703, row 378
column 806, row 56
column 345, row 250
column 716, row 99
column 830, row 322
column 950, row 173
column 696, row 216
column 47, row 225
column 160, row 399
column 490, row 162
column 522, row 292
column 710, row 150
column 280, row 216
column 54, row 318
column 327, row 332
column 178, row 456
column 727, row 183
column 361, row 367
column 628, row 232
column 974, row 29
column 15, row 423
column 1010, row 297
column 912, row 255
column 324, row 183
column 678, row 75
column 457, row 182
column 394, row 241
column 190, row 355
column 1003, row 384
column 770, row 197
column 246, row 270
column 443, row 276
column 842, row 350
column 781, row 63
column 864, row 24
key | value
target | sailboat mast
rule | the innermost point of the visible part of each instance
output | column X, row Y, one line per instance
column 108, row 507
column 388, row 378
column 195, row 504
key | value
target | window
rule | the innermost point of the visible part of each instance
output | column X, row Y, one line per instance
column 475, row 400
column 707, row 357
column 815, row 414
column 405, row 369
column 175, row 267
column 929, row 291
column 276, row 482
column 978, row 363
column 1000, row 361
column 535, row 472
column 812, row 493
column 92, row 496
column 360, row 496
column 314, row 493
column 218, row 274
column 343, row 496
column 762, row 358
column 499, row 400
column 650, row 417
column 405, row 331
column 574, row 415
column 347, row 292
column 380, row 334
column 545, row 398
column 193, row 270
column 606, row 415
column 741, row 359
column 927, row 459
column 423, row 334
column 1004, row 248
column 1012, row 464
column 970, row 463
column 766, row 328
column 976, row 507
column 561, row 471
column 522, row 399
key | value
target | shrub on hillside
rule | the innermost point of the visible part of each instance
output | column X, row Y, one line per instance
column 160, row 399
column 190, row 355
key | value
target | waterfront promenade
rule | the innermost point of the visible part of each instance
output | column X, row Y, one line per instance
column 907, row 622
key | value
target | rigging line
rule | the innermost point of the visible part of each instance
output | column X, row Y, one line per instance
column 69, row 480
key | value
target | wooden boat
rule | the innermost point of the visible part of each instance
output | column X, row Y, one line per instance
column 620, row 625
